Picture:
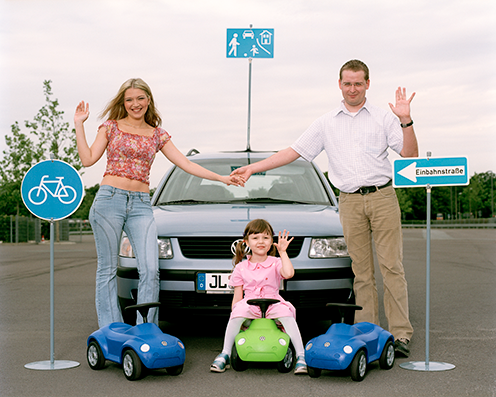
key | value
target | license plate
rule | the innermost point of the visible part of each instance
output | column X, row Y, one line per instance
column 213, row 283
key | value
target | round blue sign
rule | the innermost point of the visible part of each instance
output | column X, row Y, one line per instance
column 52, row 190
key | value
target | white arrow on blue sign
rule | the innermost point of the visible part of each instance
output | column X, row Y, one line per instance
column 52, row 190
column 433, row 171
column 250, row 43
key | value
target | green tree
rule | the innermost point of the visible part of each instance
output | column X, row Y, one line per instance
column 54, row 135
column 405, row 203
column 17, row 159
column 84, row 209
column 440, row 201
column 48, row 133
column 476, row 198
column 19, row 156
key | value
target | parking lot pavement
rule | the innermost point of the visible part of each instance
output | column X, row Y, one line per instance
column 462, row 329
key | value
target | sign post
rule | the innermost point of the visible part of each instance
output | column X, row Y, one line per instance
column 428, row 172
column 52, row 190
column 250, row 43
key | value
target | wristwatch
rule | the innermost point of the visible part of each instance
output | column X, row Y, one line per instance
column 407, row 125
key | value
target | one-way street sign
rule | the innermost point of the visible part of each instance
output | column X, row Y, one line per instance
column 432, row 171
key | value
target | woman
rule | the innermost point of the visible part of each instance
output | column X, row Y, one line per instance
column 132, row 136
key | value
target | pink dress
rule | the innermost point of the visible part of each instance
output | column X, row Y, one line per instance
column 260, row 280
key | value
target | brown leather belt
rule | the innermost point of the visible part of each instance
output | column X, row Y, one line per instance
column 370, row 189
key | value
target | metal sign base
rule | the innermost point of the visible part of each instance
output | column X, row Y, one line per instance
column 52, row 364
column 427, row 366
column 49, row 365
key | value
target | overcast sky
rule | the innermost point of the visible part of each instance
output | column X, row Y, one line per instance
column 442, row 50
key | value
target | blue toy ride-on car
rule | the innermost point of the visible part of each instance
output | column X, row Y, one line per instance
column 350, row 347
column 136, row 348
column 263, row 341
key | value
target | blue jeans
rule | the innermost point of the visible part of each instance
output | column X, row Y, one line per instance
column 113, row 211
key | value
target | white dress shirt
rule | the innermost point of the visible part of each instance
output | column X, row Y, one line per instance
column 356, row 145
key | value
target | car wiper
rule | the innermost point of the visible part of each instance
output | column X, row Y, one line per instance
column 187, row 201
column 267, row 200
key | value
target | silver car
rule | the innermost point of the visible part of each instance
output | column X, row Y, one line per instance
column 199, row 222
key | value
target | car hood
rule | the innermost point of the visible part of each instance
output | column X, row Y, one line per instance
column 230, row 219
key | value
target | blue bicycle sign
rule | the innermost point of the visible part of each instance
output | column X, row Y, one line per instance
column 38, row 194
column 52, row 190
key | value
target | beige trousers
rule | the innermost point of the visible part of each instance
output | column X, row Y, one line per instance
column 377, row 215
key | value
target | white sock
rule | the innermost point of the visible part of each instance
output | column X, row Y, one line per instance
column 289, row 324
column 232, row 329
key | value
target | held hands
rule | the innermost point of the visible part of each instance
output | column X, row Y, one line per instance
column 233, row 180
column 283, row 242
column 82, row 112
column 243, row 172
column 402, row 106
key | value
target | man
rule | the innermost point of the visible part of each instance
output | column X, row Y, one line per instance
column 356, row 136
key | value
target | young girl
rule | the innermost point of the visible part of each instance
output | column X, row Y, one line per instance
column 131, row 136
column 259, row 276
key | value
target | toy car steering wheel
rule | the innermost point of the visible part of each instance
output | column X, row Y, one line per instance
column 264, row 303
column 143, row 309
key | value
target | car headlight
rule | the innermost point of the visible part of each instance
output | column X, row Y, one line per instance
column 164, row 248
column 126, row 249
column 329, row 247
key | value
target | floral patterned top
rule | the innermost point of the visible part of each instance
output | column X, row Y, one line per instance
column 130, row 155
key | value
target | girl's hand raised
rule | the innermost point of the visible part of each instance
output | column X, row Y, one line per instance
column 283, row 242
column 82, row 112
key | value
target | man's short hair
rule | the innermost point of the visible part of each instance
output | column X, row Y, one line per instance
column 355, row 66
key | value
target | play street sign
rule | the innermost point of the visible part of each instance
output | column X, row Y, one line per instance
column 432, row 171
column 250, row 43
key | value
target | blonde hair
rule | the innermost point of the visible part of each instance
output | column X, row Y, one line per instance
column 254, row 227
column 115, row 109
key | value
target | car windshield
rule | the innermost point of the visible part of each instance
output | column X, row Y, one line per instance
column 295, row 183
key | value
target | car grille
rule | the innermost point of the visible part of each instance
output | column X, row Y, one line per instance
column 220, row 247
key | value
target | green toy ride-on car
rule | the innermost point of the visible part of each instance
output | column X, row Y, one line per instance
column 263, row 341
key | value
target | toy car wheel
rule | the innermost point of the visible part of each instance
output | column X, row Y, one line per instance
column 94, row 355
column 174, row 371
column 236, row 362
column 131, row 365
column 387, row 357
column 314, row 372
column 358, row 366
column 288, row 362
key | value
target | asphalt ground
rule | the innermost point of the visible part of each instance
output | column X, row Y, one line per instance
column 462, row 329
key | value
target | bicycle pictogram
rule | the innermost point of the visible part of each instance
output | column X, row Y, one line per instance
column 65, row 193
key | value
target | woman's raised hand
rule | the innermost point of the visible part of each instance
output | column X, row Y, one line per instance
column 82, row 112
